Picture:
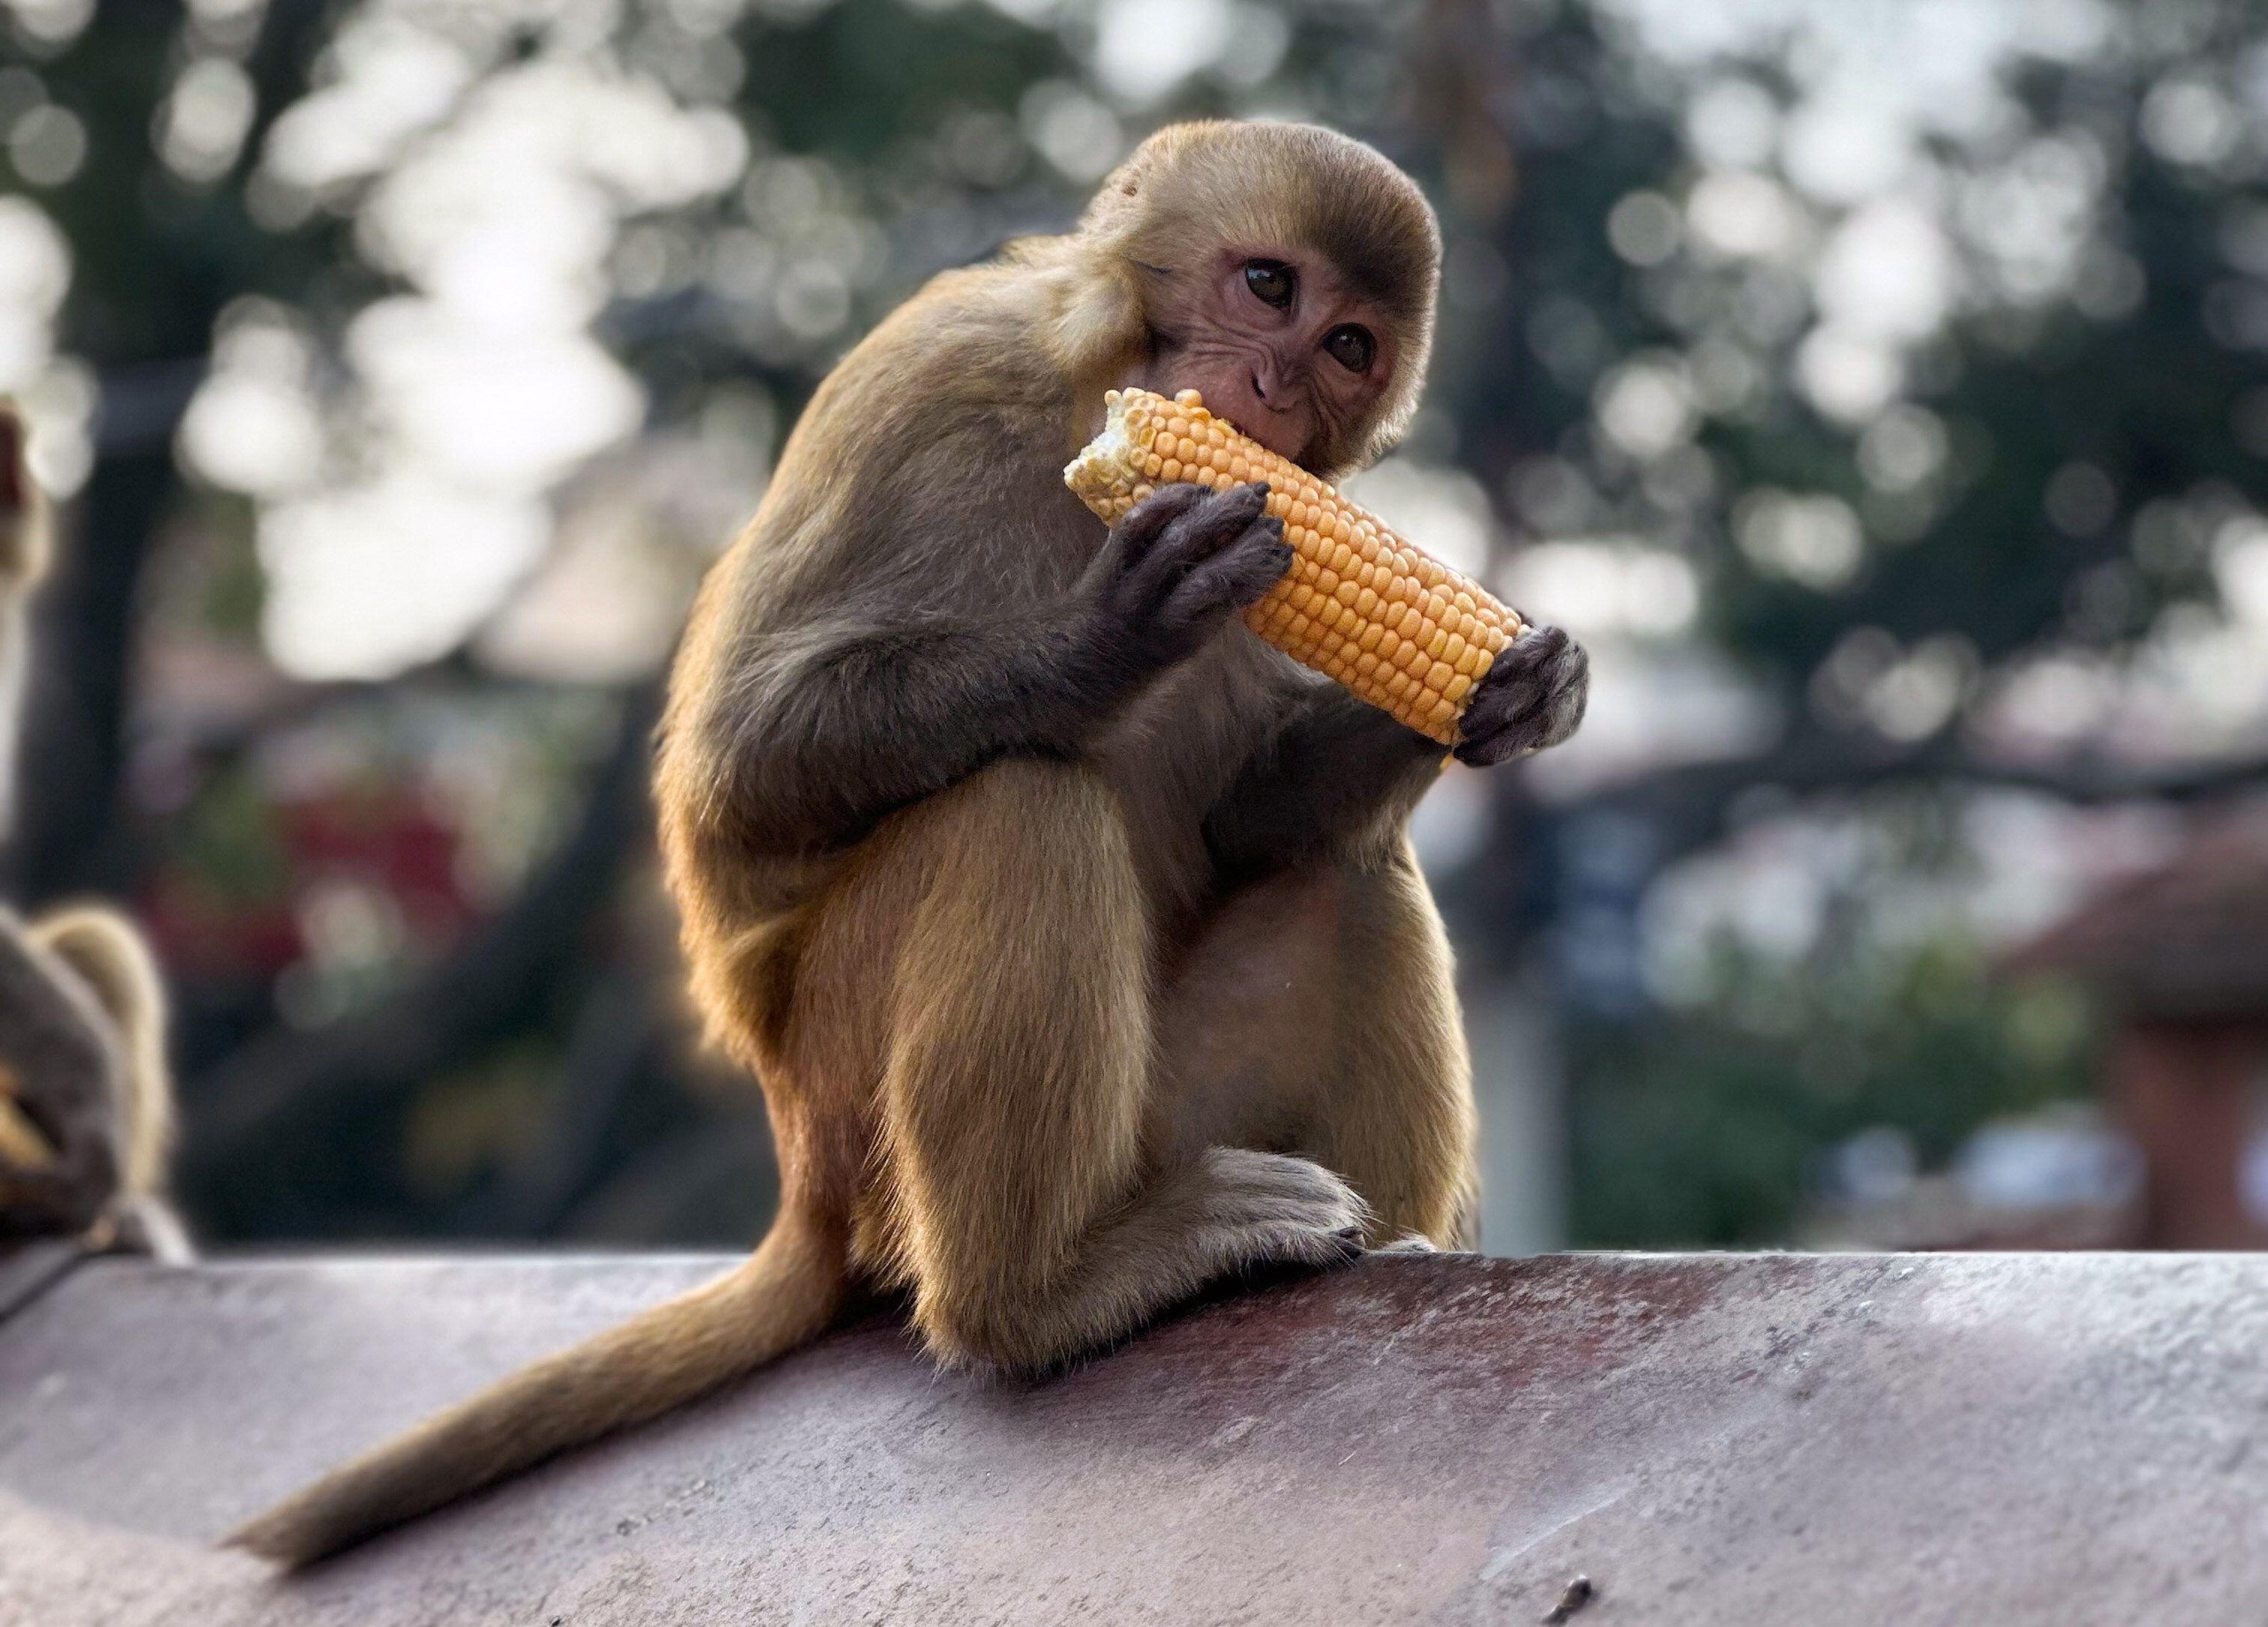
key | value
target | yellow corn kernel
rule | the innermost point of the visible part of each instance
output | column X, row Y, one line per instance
column 1360, row 604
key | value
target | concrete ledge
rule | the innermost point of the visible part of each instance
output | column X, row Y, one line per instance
column 1773, row 1438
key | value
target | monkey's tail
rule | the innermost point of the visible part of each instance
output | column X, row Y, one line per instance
column 103, row 948
column 783, row 1296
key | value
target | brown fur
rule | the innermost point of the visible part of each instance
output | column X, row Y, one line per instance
column 1074, row 979
column 82, row 1011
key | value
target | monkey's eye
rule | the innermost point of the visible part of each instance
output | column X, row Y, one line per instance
column 1351, row 348
column 1272, row 282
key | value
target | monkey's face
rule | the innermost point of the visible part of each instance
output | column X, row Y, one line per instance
column 1278, row 343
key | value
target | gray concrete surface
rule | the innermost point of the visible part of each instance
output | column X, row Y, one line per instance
column 1983, row 1439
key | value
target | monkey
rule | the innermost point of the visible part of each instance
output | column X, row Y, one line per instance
column 1073, row 934
column 86, row 1099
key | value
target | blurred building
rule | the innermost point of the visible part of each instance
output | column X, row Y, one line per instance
column 2179, row 959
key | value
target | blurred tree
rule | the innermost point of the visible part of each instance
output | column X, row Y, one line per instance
column 1933, row 368
column 358, row 289
column 1879, row 406
column 157, row 255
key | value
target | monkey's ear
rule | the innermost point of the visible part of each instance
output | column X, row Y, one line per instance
column 109, row 957
column 1099, row 323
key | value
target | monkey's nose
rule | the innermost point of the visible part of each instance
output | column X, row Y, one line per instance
column 1259, row 390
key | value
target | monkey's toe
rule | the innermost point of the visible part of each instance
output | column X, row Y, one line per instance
column 1409, row 1243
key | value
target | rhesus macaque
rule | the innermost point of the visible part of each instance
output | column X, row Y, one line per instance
column 86, row 1105
column 1072, row 931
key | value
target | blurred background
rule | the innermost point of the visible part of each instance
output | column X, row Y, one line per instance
column 1877, row 388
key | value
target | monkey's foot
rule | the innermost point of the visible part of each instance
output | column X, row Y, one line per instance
column 1409, row 1243
column 1267, row 1208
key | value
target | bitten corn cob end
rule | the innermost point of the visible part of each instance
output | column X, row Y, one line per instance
column 1398, row 628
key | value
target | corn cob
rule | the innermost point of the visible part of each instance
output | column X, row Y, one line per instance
column 1359, row 604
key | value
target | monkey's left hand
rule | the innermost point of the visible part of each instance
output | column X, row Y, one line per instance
column 1532, row 697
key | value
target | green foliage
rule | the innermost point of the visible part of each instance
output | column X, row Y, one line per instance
column 1702, row 1126
column 866, row 76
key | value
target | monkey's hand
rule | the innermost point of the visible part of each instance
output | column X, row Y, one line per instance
column 1532, row 697
column 1179, row 566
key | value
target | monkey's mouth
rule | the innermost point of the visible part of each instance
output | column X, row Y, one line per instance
column 1111, row 461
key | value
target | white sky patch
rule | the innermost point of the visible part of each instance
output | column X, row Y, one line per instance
column 1887, row 273
column 1850, row 376
column 391, row 79
column 502, row 410
column 57, row 393
column 203, row 122
column 1812, row 540
column 1144, row 49
column 1840, row 148
column 408, row 498
column 1733, row 123
column 1646, row 406
column 35, row 275
column 2241, row 570
column 254, row 425
column 1073, row 131
column 1738, row 213
column 365, row 583
column 1605, row 588
column 51, row 22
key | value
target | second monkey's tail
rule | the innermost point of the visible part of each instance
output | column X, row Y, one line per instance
column 783, row 1295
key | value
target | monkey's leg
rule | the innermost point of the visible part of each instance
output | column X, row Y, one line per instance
column 1316, row 1015
column 1030, row 1220
column 1328, row 982
column 1393, row 1114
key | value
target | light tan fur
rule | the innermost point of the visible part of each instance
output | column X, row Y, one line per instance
column 1031, row 1057
column 107, row 953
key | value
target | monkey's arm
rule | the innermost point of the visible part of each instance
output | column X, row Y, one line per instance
column 1340, row 776
column 849, row 720
column 838, row 721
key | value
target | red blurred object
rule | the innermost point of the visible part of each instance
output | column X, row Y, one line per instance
column 2179, row 956
column 392, row 843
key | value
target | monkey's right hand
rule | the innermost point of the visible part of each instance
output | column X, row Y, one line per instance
column 1179, row 565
